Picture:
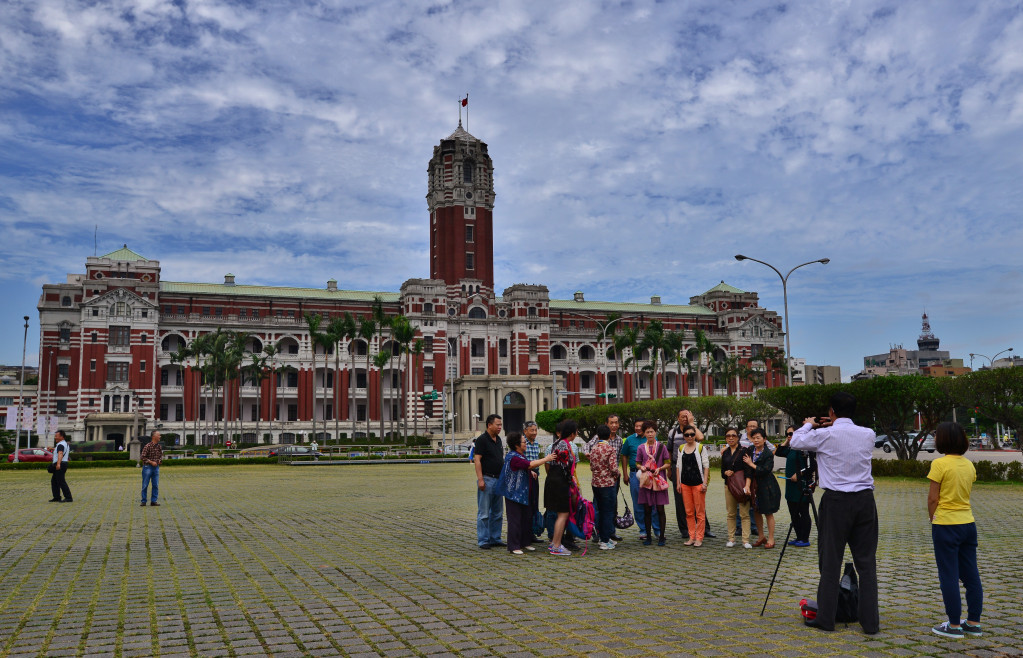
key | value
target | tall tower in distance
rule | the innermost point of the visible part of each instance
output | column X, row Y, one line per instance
column 927, row 342
column 461, row 202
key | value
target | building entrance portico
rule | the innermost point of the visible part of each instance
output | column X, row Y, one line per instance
column 514, row 415
column 116, row 427
column 516, row 398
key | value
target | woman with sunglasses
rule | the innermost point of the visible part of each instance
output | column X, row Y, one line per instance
column 768, row 497
column 731, row 463
column 693, row 471
column 798, row 503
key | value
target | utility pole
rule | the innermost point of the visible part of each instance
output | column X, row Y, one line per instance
column 21, row 394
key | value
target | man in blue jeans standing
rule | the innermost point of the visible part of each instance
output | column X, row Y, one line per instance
column 628, row 455
column 488, row 458
column 152, row 455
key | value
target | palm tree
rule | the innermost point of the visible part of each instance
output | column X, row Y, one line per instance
column 382, row 358
column 417, row 352
column 313, row 322
column 367, row 331
column 338, row 330
column 270, row 353
column 351, row 333
column 606, row 329
column 620, row 342
column 256, row 371
column 631, row 340
column 703, row 346
column 653, row 339
column 384, row 324
column 404, row 333
column 674, row 349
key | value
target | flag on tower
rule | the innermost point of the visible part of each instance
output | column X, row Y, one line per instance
column 465, row 101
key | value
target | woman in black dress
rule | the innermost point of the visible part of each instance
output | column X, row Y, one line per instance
column 768, row 498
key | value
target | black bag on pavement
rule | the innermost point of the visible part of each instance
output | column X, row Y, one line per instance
column 848, row 596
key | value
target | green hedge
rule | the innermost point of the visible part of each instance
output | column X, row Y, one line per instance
column 121, row 463
column 986, row 471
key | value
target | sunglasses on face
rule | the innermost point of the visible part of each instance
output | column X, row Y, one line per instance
column 689, row 434
column 788, row 433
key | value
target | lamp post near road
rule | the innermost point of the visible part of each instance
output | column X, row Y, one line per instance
column 21, row 395
column 785, row 298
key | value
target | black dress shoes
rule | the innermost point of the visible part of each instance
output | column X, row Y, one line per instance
column 812, row 623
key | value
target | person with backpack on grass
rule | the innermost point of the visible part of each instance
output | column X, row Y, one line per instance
column 954, row 531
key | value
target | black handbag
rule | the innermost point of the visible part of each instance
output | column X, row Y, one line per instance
column 52, row 468
column 625, row 520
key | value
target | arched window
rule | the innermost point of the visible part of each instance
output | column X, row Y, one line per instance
column 468, row 169
column 586, row 353
column 531, row 311
column 559, row 352
column 477, row 313
column 65, row 301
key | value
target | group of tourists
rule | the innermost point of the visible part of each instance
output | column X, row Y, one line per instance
column 832, row 451
column 654, row 467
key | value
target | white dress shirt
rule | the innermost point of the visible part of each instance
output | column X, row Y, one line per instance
column 844, row 451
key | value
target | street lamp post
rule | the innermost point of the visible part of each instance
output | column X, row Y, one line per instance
column 785, row 298
column 990, row 359
column 21, row 394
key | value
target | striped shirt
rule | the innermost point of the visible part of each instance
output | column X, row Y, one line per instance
column 534, row 451
column 844, row 453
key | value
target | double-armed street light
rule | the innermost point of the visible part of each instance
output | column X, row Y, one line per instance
column 990, row 360
column 785, row 297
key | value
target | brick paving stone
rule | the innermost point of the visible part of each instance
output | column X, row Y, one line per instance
column 259, row 572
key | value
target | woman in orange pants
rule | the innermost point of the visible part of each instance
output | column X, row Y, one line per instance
column 693, row 469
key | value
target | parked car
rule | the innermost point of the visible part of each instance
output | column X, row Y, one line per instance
column 32, row 455
column 293, row 451
column 927, row 443
column 881, row 441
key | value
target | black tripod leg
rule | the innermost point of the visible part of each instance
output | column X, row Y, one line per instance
column 813, row 506
column 778, row 566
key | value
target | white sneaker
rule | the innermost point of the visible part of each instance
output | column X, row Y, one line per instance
column 747, row 545
column 606, row 546
column 612, row 542
column 729, row 544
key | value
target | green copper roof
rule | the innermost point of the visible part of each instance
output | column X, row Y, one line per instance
column 275, row 291
column 124, row 254
column 724, row 287
column 628, row 308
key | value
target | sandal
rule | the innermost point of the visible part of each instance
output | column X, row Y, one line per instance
column 760, row 542
column 769, row 544
column 698, row 544
column 517, row 552
column 690, row 542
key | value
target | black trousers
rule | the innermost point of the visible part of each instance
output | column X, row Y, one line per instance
column 847, row 519
column 800, row 513
column 520, row 525
column 58, row 484
column 534, row 502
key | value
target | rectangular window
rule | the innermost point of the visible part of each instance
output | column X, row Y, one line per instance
column 477, row 347
column 293, row 348
column 92, row 401
column 612, row 380
column 292, row 412
column 329, row 413
column 179, row 411
column 502, row 371
column 360, row 380
column 255, row 312
column 292, row 380
column 254, row 414
column 181, row 310
column 64, row 334
column 145, row 313
column 164, row 377
column 119, row 336
column 428, row 344
column 63, row 369
column 532, row 346
column 242, row 312
column 62, row 407
column 218, row 311
column 502, row 348
column 202, row 412
column 586, row 381
column 427, row 376
column 470, row 262
column 95, row 312
column 205, row 310
column 117, row 372
column 142, row 366
column 478, row 371
column 144, row 338
column 469, row 234
column 95, row 337
column 164, row 409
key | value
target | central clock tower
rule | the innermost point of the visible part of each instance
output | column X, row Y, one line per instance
column 461, row 202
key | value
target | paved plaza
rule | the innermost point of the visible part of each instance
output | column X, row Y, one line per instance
column 382, row 560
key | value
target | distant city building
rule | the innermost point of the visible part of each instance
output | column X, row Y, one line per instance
column 10, row 389
column 109, row 336
column 803, row 374
column 926, row 359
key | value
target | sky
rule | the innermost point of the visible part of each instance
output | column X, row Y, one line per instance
column 637, row 147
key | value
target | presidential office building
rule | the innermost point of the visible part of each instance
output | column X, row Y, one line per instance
column 108, row 336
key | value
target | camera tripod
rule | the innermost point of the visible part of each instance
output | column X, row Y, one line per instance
column 808, row 492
